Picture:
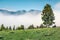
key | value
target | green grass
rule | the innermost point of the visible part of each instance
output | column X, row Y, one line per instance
column 31, row 34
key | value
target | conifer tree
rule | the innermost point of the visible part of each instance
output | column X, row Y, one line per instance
column 48, row 16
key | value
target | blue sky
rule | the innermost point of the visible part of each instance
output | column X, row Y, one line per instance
column 26, row 4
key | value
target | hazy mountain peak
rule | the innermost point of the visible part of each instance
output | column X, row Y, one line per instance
column 19, row 12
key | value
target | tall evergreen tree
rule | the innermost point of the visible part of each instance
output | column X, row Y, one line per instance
column 10, row 28
column 48, row 16
column 14, row 27
column 2, row 27
column 22, row 27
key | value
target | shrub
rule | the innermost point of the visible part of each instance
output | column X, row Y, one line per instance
column 42, row 26
column 18, row 28
column 54, row 26
column 31, row 27
column 38, row 26
column 22, row 27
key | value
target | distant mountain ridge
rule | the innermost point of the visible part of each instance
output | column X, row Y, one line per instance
column 19, row 12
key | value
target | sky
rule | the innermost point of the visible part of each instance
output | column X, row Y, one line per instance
column 15, row 5
column 27, row 19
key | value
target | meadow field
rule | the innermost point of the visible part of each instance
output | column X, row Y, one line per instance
column 31, row 34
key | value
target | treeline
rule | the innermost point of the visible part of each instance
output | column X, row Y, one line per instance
column 2, row 27
column 21, row 27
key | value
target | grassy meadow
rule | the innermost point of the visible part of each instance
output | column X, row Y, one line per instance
column 31, row 34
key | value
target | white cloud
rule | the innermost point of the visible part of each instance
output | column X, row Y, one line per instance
column 9, row 9
column 57, row 6
column 56, row 11
column 26, row 19
column 57, row 17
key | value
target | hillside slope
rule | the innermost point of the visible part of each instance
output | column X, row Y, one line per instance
column 31, row 34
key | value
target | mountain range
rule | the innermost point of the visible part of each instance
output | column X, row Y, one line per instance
column 19, row 12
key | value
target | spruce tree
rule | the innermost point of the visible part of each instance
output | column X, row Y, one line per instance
column 22, row 27
column 14, row 27
column 10, row 28
column 48, row 16
column 2, row 27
